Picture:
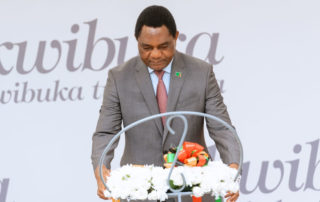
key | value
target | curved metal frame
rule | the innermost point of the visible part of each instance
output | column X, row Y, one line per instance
column 179, row 114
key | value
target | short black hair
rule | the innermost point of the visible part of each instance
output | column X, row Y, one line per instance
column 155, row 16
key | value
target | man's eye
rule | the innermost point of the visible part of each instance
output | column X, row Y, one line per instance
column 147, row 48
column 164, row 47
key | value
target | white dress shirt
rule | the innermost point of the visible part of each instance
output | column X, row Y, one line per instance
column 165, row 78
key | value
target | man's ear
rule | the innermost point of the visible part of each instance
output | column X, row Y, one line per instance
column 177, row 34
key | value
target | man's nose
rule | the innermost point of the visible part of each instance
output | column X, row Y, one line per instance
column 155, row 53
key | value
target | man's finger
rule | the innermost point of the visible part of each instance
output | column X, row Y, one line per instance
column 233, row 197
column 101, row 195
column 228, row 196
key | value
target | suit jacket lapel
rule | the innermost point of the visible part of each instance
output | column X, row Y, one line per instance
column 145, row 85
column 176, row 83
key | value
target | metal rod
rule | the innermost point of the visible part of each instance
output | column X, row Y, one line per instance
column 178, row 114
column 185, row 122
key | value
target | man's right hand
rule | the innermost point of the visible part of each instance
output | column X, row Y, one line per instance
column 101, row 187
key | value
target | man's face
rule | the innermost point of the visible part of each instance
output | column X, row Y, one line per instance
column 156, row 46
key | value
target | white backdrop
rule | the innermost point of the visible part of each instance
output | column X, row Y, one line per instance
column 265, row 55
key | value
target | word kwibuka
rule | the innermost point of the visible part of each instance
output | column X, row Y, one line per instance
column 64, row 52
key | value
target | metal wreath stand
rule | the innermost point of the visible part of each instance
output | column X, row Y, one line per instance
column 171, row 115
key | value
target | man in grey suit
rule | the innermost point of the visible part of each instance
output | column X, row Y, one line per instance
column 135, row 90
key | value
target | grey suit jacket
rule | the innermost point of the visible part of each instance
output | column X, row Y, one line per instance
column 129, row 96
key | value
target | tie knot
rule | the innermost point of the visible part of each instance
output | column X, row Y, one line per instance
column 159, row 74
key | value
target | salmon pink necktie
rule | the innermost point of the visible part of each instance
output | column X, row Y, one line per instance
column 162, row 96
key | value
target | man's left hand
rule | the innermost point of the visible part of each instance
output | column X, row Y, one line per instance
column 232, row 197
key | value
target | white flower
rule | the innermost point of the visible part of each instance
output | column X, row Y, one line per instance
column 139, row 194
column 197, row 191
column 153, row 195
column 193, row 175
column 159, row 179
column 162, row 196
column 176, row 176
column 149, row 182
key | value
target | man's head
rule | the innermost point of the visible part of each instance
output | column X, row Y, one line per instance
column 156, row 34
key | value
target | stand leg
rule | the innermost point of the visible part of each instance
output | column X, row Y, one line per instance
column 179, row 197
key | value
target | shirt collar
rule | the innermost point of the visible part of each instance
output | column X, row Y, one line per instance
column 166, row 69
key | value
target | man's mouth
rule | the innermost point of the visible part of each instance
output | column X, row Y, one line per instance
column 156, row 62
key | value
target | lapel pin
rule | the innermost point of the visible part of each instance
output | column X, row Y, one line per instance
column 178, row 74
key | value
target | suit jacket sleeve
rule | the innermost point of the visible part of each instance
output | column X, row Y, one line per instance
column 225, row 141
column 109, row 123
